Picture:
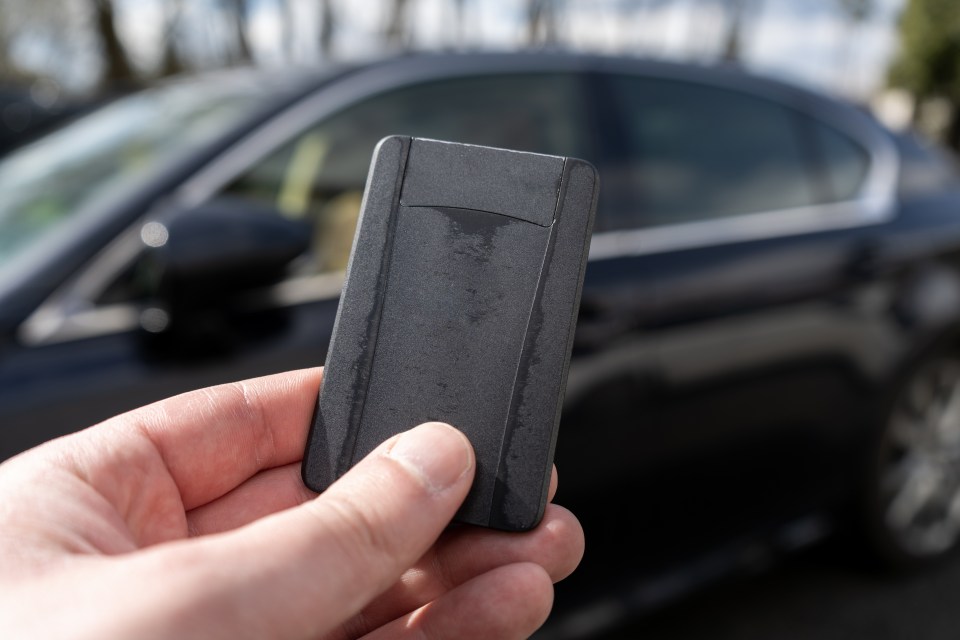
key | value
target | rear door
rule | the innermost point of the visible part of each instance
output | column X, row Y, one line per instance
column 725, row 331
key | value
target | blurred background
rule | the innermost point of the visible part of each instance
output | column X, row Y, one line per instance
column 761, row 431
column 893, row 54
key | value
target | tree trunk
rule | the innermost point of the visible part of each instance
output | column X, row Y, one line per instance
column 327, row 26
column 396, row 31
column 171, row 63
column 6, row 66
column 241, row 53
column 733, row 37
column 458, row 29
column 541, row 22
column 117, row 71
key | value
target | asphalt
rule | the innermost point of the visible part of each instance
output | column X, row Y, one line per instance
column 818, row 595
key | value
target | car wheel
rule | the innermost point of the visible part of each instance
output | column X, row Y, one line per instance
column 914, row 503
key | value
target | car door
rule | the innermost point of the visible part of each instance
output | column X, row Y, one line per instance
column 114, row 349
column 727, row 338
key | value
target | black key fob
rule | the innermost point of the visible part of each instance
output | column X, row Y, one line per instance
column 459, row 306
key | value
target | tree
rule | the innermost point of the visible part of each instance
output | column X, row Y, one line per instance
column 171, row 62
column 237, row 11
column 542, row 22
column 733, row 35
column 459, row 26
column 929, row 60
column 327, row 27
column 855, row 13
column 118, row 71
column 396, row 29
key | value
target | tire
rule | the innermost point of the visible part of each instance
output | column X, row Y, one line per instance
column 913, row 487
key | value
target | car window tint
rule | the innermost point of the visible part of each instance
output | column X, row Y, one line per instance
column 844, row 163
column 692, row 152
column 56, row 187
column 320, row 175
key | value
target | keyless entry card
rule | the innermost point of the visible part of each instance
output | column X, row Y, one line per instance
column 459, row 306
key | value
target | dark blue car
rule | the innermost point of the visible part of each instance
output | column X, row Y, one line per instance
column 767, row 346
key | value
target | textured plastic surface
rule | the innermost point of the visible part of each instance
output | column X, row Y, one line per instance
column 459, row 305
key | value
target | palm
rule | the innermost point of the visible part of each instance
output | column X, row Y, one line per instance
column 232, row 461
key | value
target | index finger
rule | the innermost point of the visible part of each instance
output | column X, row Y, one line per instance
column 213, row 439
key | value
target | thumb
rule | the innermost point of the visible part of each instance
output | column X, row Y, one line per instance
column 304, row 571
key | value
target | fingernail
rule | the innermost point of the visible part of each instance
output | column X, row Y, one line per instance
column 436, row 453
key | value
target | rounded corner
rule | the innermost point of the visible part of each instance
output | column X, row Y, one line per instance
column 584, row 164
column 390, row 141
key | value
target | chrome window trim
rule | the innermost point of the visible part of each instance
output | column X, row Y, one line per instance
column 742, row 228
column 70, row 314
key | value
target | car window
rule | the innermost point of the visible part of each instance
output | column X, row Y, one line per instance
column 52, row 187
column 692, row 152
column 319, row 176
column 844, row 162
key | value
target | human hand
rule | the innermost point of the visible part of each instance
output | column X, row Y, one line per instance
column 188, row 519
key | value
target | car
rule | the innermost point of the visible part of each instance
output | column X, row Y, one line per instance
column 27, row 113
column 767, row 346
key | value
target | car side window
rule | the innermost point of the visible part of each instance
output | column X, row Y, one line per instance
column 319, row 176
column 693, row 152
column 844, row 163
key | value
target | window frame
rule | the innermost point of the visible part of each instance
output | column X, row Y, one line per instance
column 875, row 202
column 623, row 123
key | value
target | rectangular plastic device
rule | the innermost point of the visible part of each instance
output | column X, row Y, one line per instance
column 459, row 305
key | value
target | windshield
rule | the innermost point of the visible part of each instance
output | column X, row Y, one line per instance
column 49, row 186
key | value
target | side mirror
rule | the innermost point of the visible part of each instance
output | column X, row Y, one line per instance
column 197, row 262
column 220, row 248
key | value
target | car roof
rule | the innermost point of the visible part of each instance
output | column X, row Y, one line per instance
column 716, row 73
column 296, row 79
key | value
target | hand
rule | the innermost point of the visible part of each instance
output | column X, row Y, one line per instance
column 188, row 519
